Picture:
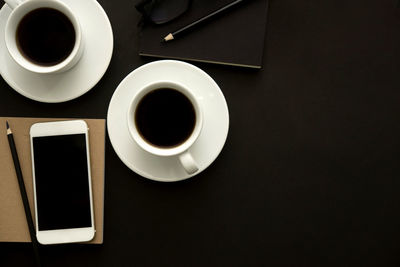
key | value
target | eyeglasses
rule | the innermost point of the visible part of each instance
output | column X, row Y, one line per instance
column 162, row 11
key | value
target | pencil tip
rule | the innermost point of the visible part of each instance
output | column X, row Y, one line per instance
column 8, row 126
column 169, row 37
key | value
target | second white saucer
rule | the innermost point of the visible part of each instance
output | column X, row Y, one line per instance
column 210, row 141
column 52, row 88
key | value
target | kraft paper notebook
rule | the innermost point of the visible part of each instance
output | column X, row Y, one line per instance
column 13, row 225
column 235, row 37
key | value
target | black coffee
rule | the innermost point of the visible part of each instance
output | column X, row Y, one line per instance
column 165, row 117
column 45, row 36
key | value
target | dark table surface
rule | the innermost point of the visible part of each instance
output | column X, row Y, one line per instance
column 310, row 173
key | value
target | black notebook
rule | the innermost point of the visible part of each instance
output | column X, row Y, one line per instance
column 235, row 37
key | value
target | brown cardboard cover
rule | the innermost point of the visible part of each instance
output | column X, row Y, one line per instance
column 13, row 225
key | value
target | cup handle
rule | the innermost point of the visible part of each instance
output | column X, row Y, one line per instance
column 13, row 3
column 188, row 163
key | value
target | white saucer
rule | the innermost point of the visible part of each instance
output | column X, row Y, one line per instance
column 210, row 141
column 53, row 88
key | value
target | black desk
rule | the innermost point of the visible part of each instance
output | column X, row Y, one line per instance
column 310, row 173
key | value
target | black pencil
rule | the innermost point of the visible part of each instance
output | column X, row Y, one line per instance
column 173, row 35
column 24, row 197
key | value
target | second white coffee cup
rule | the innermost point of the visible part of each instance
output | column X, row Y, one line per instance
column 181, row 150
column 20, row 8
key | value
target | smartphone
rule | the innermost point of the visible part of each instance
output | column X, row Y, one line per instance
column 62, row 182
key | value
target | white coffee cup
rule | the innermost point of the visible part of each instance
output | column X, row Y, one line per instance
column 181, row 151
column 22, row 7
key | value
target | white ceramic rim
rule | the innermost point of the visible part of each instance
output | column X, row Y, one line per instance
column 10, row 32
column 173, row 151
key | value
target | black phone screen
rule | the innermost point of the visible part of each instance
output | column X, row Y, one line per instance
column 61, row 182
